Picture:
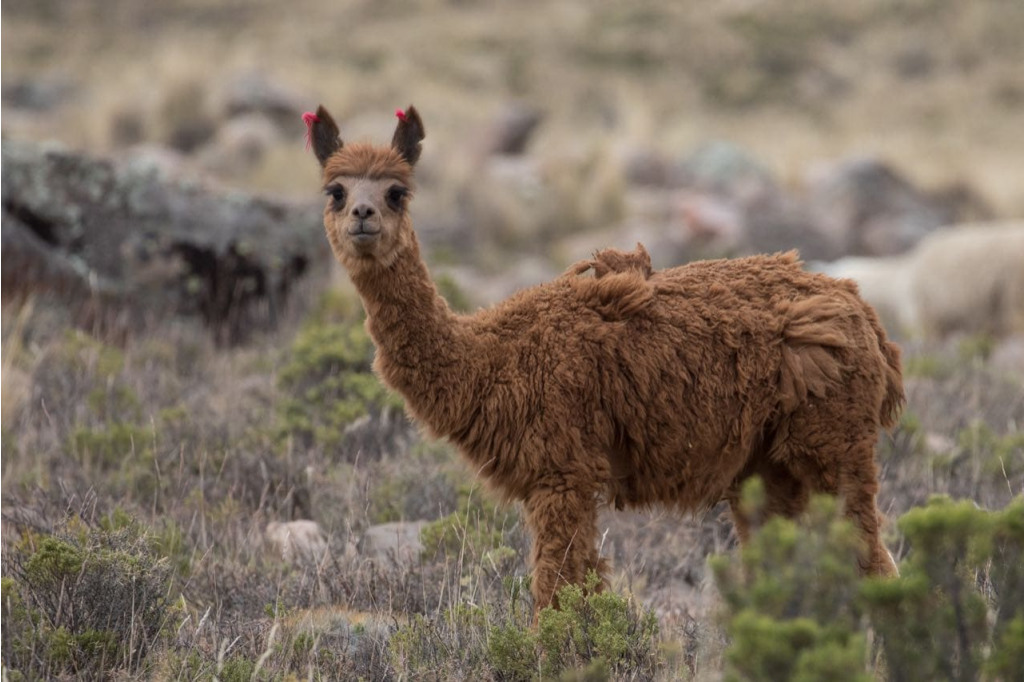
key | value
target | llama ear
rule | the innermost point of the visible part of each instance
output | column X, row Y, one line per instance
column 322, row 134
column 408, row 134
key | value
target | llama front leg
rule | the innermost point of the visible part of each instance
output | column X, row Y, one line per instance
column 563, row 521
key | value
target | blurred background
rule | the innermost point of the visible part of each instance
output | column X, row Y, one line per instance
column 558, row 128
column 182, row 356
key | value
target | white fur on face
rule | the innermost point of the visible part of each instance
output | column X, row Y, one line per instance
column 366, row 224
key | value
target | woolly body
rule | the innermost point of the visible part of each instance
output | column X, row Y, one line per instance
column 655, row 389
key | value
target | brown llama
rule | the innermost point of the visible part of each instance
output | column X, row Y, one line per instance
column 615, row 384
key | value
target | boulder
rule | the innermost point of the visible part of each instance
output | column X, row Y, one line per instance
column 239, row 145
column 298, row 541
column 255, row 93
column 130, row 236
column 866, row 208
column 731, row 204
column 397, row 542
column 511, row 130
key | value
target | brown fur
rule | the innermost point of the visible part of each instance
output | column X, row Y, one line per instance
column 365, row 160
column 616, row 384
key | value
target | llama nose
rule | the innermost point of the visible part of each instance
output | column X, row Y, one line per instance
column 363, row 211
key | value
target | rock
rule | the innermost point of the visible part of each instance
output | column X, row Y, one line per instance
column 645, row 168
column 510, row 132
column 37, row 94
column 375, row 435
column 239, row 145
column 725, row 170
column 732, row 205
column 255, row 93
column 711, row 223
column 298, row 541
column 398, row 542
column 865, row 207
column 148, row 242
column 185, row 116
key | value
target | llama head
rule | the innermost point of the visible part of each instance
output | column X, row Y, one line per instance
column 368, row 189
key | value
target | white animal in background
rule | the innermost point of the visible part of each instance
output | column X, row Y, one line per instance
column 966, row 279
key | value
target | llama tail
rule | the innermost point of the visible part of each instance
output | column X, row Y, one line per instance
column 808, row 366
column 813, row 327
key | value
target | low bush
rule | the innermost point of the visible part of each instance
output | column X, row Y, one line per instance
column 791, row 601
column 795, row 608
column 598, row 635
column 83, row 601
column 956, row 610
column 328, row 384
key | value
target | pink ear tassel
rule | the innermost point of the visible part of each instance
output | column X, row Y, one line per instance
column 400, row 114
column 309, row 118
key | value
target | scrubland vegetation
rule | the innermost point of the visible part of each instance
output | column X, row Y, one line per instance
column 139, row 471
column 137, row 480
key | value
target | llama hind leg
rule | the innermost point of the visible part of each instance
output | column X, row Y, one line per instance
column 788, row 493
column 784, row 495
column 564, row 527
column 858, row 487
column 849, row 472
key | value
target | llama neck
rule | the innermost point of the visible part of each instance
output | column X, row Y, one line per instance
column 421, row 344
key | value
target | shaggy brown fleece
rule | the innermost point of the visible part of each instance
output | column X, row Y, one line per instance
column 616, row 384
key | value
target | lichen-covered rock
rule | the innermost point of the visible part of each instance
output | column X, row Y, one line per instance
column 150, row 242
column 734, row 205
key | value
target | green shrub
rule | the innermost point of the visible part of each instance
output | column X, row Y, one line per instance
column 328, row 383
column 999, row 456
column 113, row 402
column 238, row 669
column 595, row 635
column 512, row 652
column 795, row 608
column 449, row 288
column 791, row 601
column 928, row 367
column 109, row 446
column 934, row 620
column 476, row 528
column 82, row 601
column 82, row 352
column 591, row 625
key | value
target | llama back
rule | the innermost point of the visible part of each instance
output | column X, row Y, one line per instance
column 821, row 324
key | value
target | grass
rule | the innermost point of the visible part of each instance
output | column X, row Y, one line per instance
column 168, row 452
column 138, row 476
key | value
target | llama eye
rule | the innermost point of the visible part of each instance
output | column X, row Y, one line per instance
column 395, row 196
column 338, row 194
